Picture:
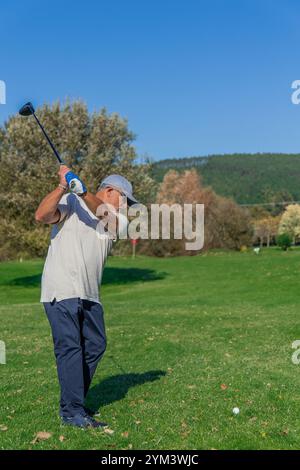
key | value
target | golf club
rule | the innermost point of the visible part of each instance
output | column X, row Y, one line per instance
column 28, row 110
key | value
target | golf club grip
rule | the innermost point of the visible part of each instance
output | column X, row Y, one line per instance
column 49, row 141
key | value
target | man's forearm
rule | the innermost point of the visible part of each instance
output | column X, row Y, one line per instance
column 47, row 212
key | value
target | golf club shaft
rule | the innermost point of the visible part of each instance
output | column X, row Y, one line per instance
column 49, row 141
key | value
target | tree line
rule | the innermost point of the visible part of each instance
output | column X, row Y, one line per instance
column 97, row 144
column 247, row 178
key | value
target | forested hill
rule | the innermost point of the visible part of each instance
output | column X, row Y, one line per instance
column 248, row 178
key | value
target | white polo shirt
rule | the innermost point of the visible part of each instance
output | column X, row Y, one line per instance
column 77, row 253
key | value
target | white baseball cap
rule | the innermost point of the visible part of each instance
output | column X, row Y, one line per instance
column 121, row 184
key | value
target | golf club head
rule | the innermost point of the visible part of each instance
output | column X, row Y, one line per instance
column 27, row 109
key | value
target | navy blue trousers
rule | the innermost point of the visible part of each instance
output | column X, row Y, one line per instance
column 79, row 343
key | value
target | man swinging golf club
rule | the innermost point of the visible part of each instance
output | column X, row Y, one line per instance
column 72, row 273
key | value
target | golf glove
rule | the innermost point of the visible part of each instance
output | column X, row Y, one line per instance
column 75, row 184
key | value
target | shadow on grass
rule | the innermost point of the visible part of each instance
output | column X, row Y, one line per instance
column 116, row 387
column 125, row 275
column 111, row 276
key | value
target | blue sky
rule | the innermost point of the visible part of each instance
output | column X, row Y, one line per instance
column 192, row 77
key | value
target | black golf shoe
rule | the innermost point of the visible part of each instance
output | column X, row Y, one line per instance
column 81, row 421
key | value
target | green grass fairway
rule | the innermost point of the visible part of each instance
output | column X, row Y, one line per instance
column 188, row 339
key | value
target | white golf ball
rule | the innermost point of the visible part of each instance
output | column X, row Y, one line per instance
column 235, row 410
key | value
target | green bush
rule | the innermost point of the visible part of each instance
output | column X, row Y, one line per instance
column 284, row 240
